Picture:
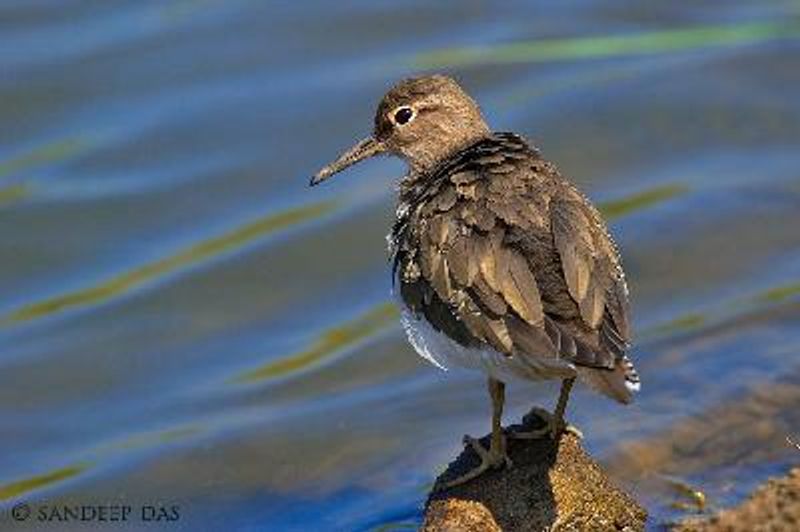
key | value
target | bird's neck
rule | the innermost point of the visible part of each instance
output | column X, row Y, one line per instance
column 440, row 142
column 426, row 164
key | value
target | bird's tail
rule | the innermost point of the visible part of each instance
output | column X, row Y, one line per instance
column 619, row 383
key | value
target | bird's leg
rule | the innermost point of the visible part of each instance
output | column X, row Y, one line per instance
column 496, row 455
column 559, row 424
column 554, row 423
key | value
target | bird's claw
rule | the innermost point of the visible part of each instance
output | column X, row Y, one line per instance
column 493, row 458
column 553, row 427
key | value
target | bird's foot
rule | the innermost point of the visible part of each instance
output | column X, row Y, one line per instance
column 492, row 458
column 554, row 426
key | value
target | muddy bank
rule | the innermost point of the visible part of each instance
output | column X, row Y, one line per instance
column 774, row 506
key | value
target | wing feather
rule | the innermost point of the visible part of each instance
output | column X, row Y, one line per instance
column 583, row 273
column 485, row 267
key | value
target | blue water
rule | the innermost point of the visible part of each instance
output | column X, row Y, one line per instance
column 183, row 322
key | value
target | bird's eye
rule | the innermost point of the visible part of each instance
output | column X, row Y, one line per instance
column 403, row 115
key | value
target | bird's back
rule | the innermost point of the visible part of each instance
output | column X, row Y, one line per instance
column 495, row 250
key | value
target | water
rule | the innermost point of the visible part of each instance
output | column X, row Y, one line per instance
column 183, row 322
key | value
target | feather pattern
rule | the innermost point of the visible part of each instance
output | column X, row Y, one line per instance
column 496, row 250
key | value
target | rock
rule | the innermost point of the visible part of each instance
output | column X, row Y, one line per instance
column 774, row 506
column 551, row 486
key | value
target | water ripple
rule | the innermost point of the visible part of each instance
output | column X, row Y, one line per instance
column 333, row 340
column 780, row 293
column 641, row 200
column 27, row 485
column 14, row 193
column 662, row 41
column 50, row 152
column 205, row 250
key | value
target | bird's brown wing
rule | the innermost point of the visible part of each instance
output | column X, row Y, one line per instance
column 477, row 289
column 476, row 256
column 592, row 271
column 584, row 268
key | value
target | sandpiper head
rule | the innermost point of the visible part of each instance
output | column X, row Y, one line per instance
column 422, row 120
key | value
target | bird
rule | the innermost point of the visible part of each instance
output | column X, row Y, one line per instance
column 499, row 263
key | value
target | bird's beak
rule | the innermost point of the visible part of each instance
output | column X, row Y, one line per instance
column 365, row 149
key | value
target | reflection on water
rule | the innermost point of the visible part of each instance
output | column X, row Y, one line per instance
column 191, row 256
column 686, row 322
column 333, row 340
column 24, row 486
column 50, row 152
column 12, row 193
column 707, row 451
column 641, row 200
column 604, row 46
column 781, row 293
column 183, row 320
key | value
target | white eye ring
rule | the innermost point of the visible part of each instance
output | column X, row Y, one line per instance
column 403, row 115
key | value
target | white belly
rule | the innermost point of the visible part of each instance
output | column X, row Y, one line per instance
column 443, row 352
